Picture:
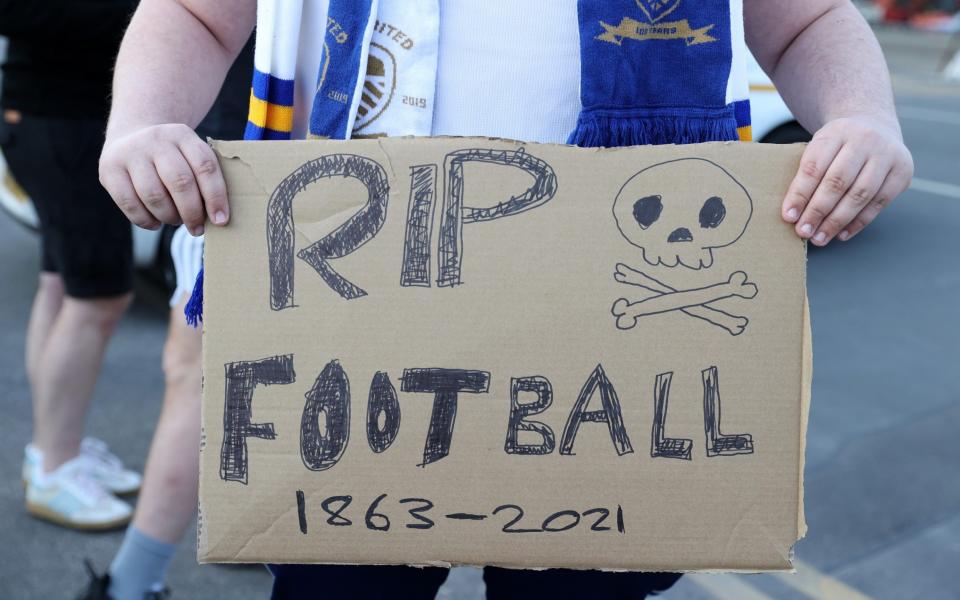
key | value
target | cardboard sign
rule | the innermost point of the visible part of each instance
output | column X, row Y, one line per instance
column 472, row 351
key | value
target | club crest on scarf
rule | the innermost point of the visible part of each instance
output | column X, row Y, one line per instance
column 378, row 87
column 397, row 93
column 657, row 9
column 655, row 28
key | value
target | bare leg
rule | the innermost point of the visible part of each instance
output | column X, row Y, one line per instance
column 168, row 500
column 67, row 371
column 46, row 305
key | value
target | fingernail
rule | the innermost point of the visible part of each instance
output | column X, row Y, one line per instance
column 792, row 214
column 197, row 231
column 844, row 235
column 821, row 238
column 806, row 230
column 220, row 217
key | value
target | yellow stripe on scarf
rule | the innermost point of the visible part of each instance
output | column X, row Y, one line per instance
column 271, row 116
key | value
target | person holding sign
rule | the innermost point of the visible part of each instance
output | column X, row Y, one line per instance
column 591, row 73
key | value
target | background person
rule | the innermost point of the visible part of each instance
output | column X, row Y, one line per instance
column 821, row 55
column 56, row 84
column 168, row 500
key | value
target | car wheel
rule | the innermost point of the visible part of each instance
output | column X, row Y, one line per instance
column 789, row 133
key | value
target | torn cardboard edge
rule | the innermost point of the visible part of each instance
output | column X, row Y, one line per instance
column 231, row 149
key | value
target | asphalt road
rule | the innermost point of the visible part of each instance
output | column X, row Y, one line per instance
column 882, row 466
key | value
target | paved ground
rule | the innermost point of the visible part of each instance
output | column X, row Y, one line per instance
column 883, row 476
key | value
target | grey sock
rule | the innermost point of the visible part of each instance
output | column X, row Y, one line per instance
column 139, row 566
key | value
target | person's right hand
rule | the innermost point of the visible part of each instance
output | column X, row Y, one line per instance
column 164, row 174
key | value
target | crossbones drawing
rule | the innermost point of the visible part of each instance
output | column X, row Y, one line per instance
column 703, row 209
column 693, row 302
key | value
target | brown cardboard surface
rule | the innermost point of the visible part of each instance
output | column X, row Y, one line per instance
column 359, row 284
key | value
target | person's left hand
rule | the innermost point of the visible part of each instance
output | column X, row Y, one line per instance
column 851, row 170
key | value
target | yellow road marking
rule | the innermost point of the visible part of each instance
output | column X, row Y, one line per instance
column 807, row 580
column 811, row 582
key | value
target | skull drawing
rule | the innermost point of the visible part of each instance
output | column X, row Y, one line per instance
column 678, row 211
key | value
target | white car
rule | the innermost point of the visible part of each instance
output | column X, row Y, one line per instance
column 772, row 123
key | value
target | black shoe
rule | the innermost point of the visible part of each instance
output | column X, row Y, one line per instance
column 97, row 588
column 163, row 594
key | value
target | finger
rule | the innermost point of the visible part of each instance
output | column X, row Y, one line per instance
column 152, row 193
column 177, row 177
column 118, row 185
column 895, row 183
column 813, row 165
column 206, row 168
column 838, row 178
column 860, row 194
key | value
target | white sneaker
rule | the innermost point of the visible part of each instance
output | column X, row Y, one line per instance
column 70, row 497
column 100, row 464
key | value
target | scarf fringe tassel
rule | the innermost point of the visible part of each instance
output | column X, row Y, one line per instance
column 595, row 131
column 194, row 308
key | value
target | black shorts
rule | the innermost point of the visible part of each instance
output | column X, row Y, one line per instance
column 358, row 582
column 85, row 238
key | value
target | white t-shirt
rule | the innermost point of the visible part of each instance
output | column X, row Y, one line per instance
column 506, row 68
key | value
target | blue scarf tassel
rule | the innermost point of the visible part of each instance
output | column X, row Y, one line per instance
column 194, row 308
column 612, row 128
